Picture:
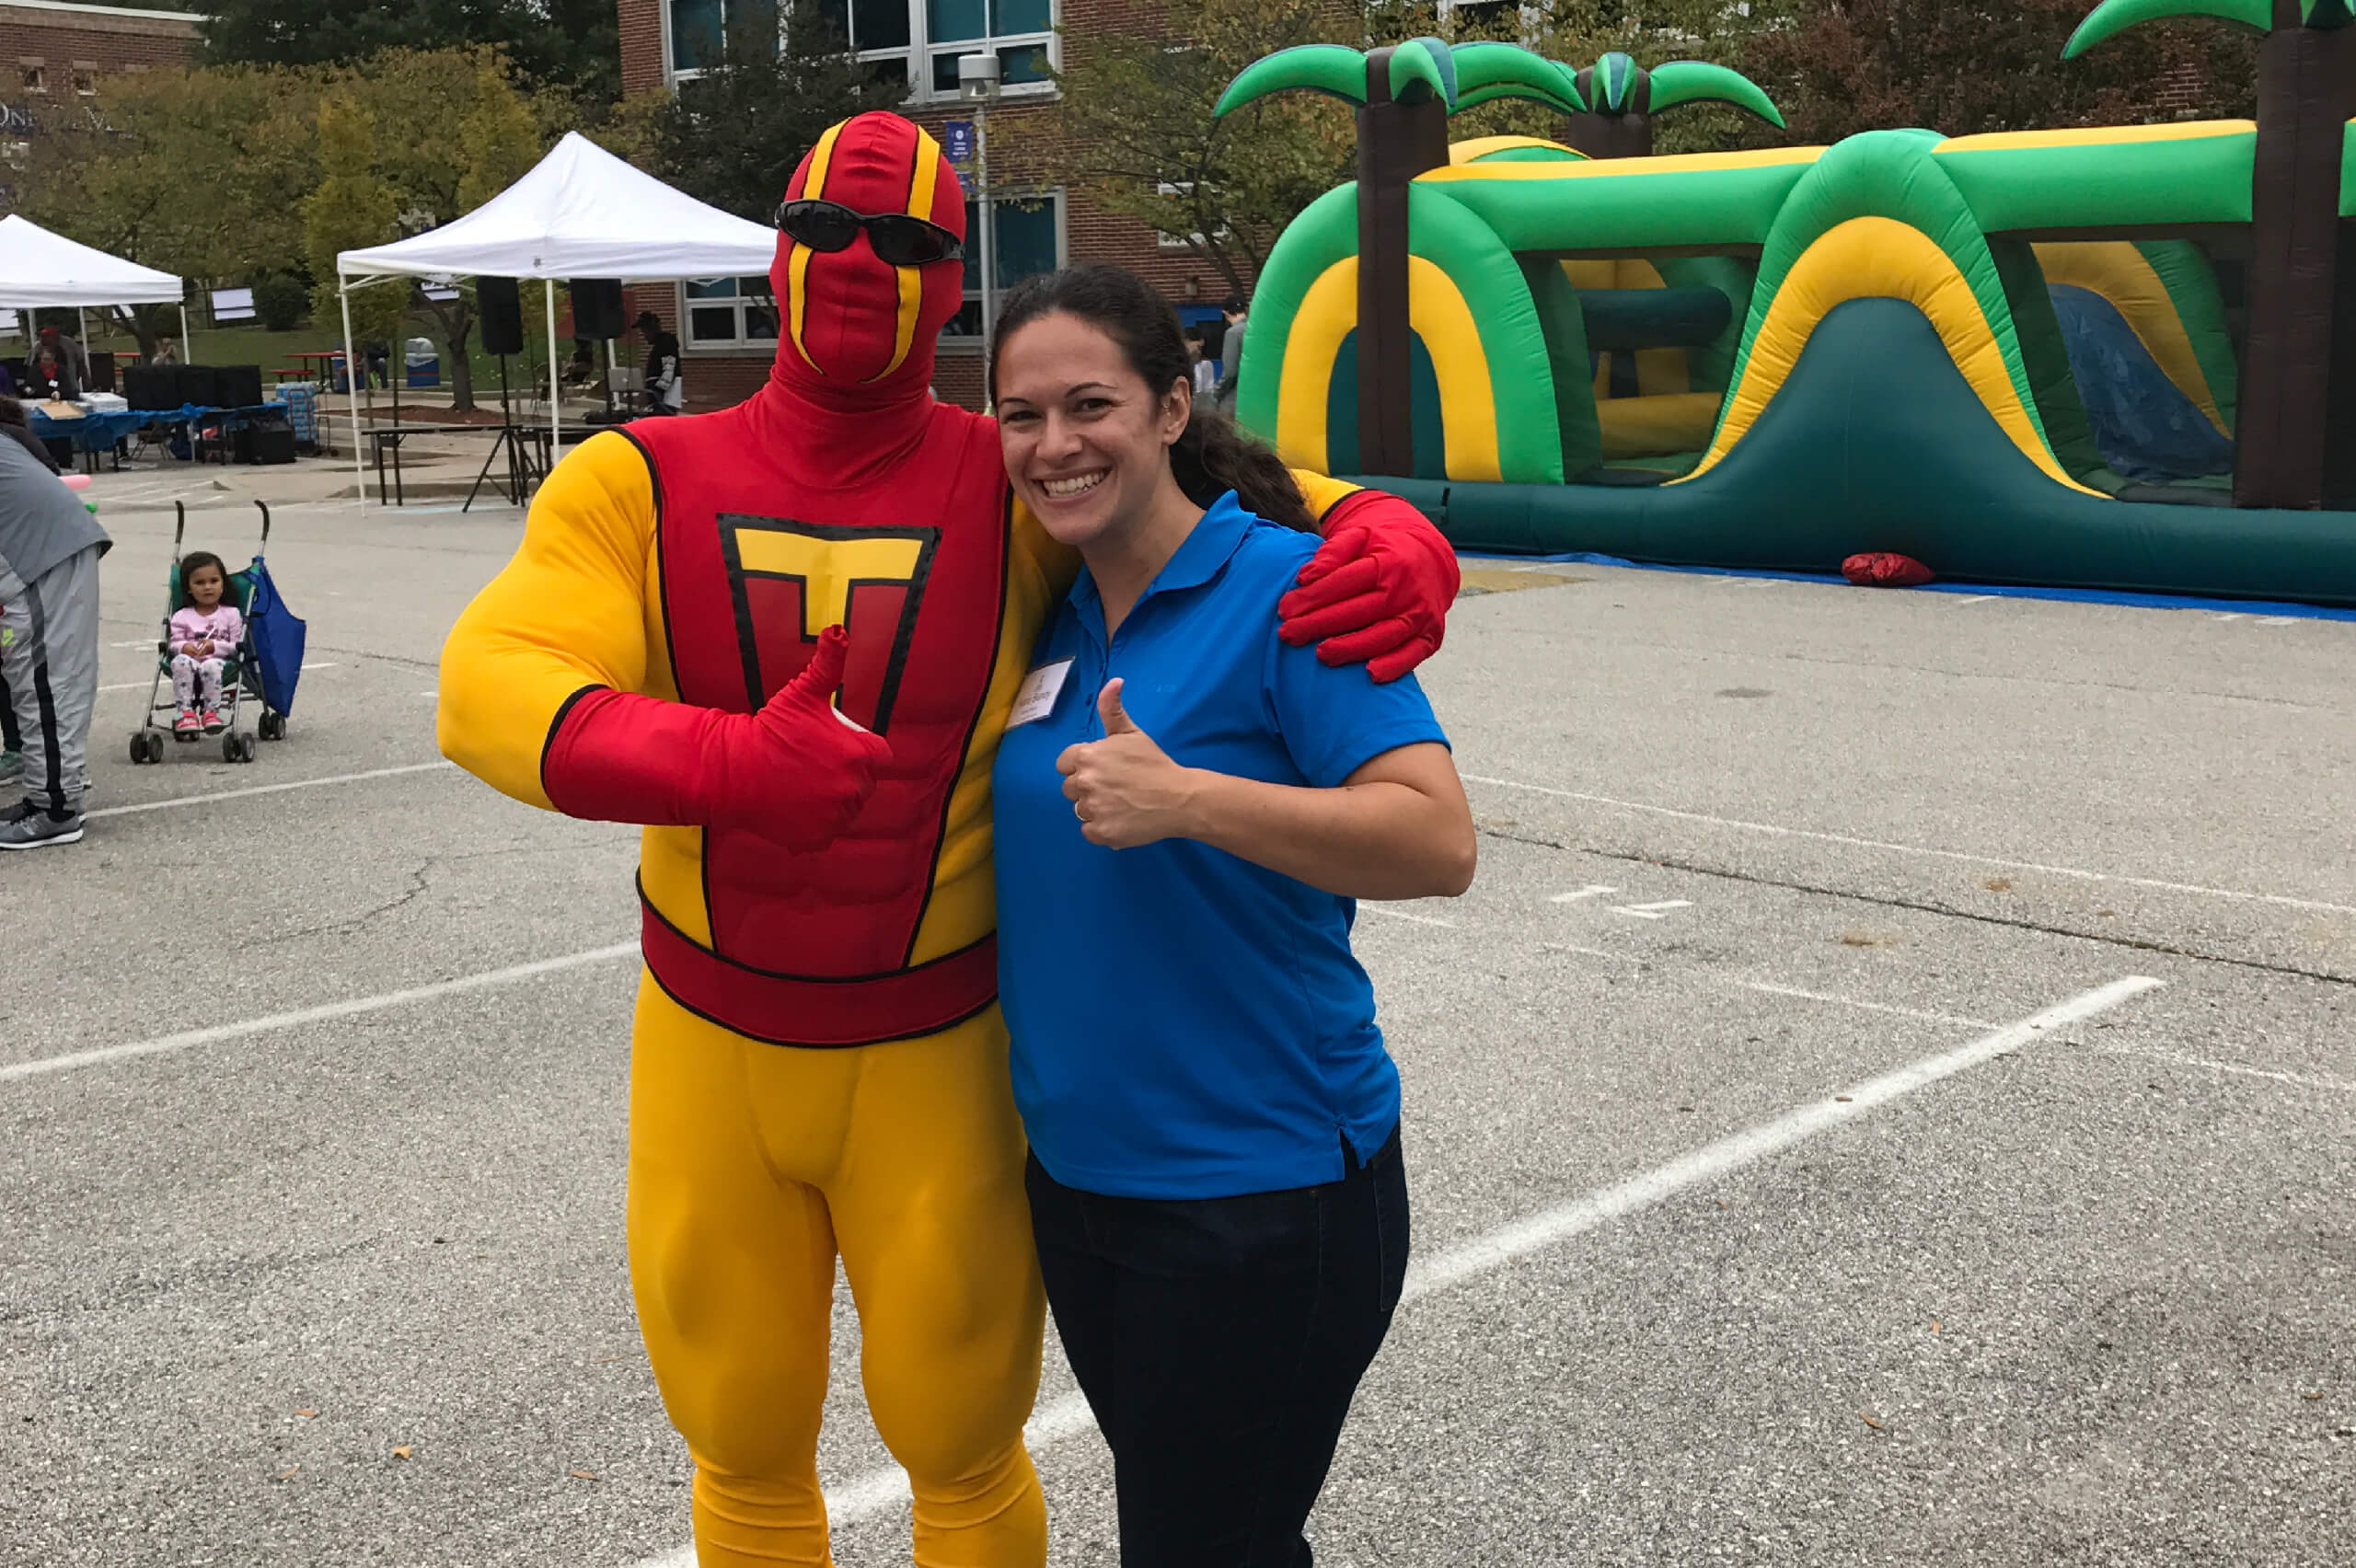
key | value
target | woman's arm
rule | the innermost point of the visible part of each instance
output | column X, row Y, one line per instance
column 1398, row 827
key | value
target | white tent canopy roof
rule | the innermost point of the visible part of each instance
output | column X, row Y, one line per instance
column 39, row 269
column 581, row 213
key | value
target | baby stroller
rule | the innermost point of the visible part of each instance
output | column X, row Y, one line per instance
column 264, row 667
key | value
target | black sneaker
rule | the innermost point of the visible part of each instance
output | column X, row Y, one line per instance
column 31, row 829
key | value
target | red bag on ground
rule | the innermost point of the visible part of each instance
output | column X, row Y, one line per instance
column 1885, row 569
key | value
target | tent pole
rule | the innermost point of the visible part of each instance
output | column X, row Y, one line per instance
column 555, row 413
column 351, row 390
column 187, row 350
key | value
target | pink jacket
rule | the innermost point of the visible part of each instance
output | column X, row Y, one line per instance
column 222, row 628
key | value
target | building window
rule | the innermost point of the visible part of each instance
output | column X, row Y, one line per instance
column 86, row 78
column 35, row 75
column 915, row 40
column 1030, row 241
column 728, row 313
column 699, row 31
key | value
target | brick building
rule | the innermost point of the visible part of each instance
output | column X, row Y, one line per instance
column 54, row 51
column 727, row 328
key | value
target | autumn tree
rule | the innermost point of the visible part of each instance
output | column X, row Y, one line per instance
column 731, row 136
column 353, row 207
column 449, row 129
column 196, row 172
column 573, row 45
column 1848, row 65
column 1133, row 127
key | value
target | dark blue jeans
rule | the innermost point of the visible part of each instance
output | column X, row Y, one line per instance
column 1218, row 1341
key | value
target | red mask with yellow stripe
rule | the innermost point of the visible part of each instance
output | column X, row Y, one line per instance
column 858, row 329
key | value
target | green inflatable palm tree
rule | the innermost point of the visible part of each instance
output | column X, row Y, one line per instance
column 1404, row 95
column 1622, row 96
column 2296, row 437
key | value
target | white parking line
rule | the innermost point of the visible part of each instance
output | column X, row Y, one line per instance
column 179, row 800
column 1780, row 832
column 2304, row 1080
column 189, row 1039
column 1771, row 989
column 883, row 1489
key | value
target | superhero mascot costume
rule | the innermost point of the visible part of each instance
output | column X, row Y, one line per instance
column 818, row 1065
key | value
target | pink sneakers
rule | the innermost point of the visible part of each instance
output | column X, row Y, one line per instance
column 187, row 725
column 212, row 720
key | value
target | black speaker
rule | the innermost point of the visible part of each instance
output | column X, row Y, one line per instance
column 101, row 378
column 239, row 385
column 201, row 385
column 501, row 304
column 274, row 443
column 597, row 308
column 151, row 387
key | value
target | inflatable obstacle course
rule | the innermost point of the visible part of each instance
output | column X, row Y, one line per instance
column 2025, row 357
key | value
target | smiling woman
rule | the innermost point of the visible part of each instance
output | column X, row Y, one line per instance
column 1185, row 808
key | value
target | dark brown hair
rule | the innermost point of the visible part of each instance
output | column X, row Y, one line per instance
column 194, row 559
column 12, row 412
column 1212, row 457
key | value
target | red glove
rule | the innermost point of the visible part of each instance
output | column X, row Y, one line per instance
column 795, row 773
column 1378, row 592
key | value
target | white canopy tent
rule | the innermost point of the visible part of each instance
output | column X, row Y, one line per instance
column 40, row 270
column 581, row 213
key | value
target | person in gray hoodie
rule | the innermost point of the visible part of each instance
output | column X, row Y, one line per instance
column 49, row 547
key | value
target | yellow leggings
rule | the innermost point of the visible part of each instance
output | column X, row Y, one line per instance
column 750, row 1166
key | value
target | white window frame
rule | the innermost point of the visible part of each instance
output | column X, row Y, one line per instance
column 739, row 344
column 916, row 55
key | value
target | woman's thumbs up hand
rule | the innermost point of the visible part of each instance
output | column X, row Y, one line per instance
column 1125, row 789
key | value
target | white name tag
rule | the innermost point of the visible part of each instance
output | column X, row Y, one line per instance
column 1037, row 699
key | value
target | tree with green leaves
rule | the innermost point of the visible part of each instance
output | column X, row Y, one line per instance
column 450, row 129
column 353, row 207
column 1133, row 127
column 1404, row 95
column 196, row 172
column 1842, row 66
column 2295, row 426
column 574, row 45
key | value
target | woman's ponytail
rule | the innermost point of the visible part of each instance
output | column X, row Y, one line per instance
column 1213, row 456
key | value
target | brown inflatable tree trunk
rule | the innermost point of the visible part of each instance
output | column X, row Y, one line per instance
column 2298, row 375
column 1396, row 143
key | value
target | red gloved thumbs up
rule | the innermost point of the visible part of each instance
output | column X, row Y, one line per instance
column 799, row 770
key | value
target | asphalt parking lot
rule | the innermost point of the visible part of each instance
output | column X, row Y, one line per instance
column 1889, row 1097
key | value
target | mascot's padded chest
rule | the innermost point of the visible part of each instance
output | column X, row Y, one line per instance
column 913, row 566
column 751, row 568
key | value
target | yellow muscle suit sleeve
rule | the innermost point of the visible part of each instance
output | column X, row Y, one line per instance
column 567, row 614
column 1320, row 492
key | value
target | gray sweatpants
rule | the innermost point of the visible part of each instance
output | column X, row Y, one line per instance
column 49, row 656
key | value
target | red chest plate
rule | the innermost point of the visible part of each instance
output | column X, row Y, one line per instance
column 753, row 568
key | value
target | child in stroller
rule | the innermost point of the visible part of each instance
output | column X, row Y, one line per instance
column 203, row 635
column 227, row 639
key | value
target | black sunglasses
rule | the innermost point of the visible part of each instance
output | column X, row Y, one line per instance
column 896, row 239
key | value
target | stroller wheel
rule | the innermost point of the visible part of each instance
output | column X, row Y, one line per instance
column 138, row 745
column 246, row 748
column 229, row 751
column 273, row 726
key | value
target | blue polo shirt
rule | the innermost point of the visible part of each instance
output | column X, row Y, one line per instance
column 1187, row 1024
